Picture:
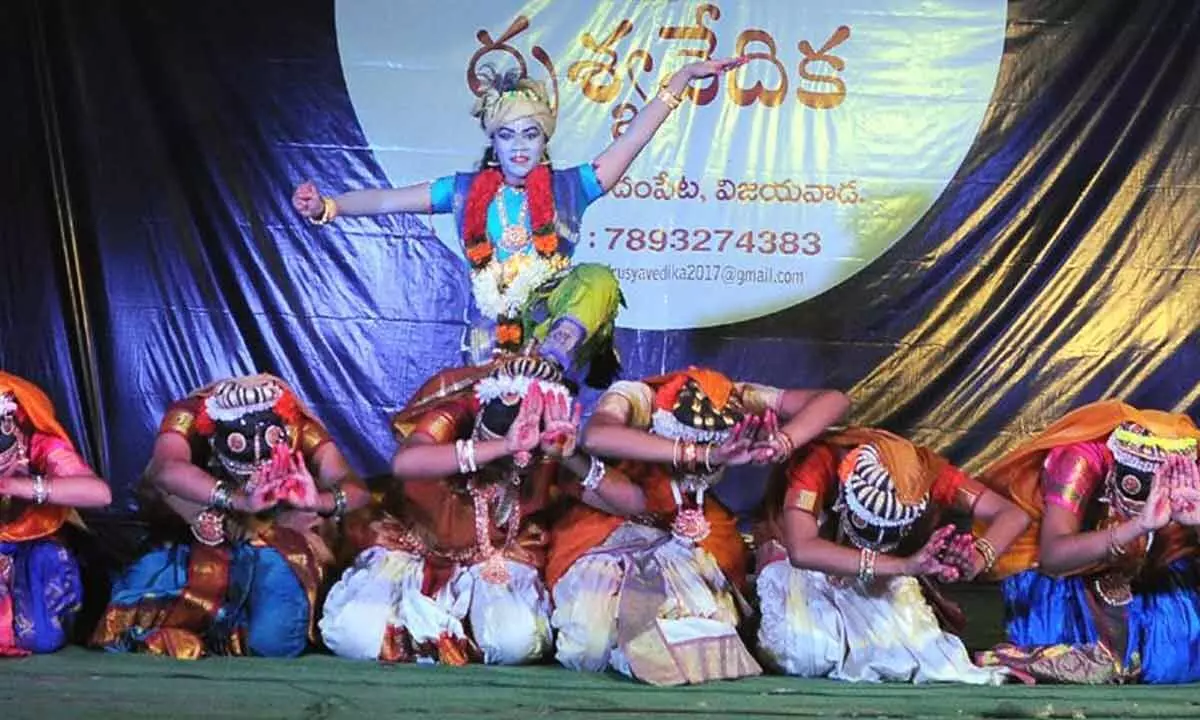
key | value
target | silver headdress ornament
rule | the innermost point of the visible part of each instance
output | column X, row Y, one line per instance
column 868, row 494
column 514, row 377
column 1134, row 446
column 665, row 424
column 231, row 399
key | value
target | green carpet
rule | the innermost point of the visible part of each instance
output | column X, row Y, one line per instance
column 78, row 683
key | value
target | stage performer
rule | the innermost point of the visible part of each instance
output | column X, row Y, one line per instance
column 853, row 532
column 42, row 478
column 657, row 595
column 1103, row 587
column 519, row 220
column 244, row 489
column 450, row 568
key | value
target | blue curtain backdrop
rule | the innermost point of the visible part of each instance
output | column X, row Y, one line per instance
column 149, row 246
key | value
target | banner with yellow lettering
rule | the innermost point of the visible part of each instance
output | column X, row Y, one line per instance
column 767, row 187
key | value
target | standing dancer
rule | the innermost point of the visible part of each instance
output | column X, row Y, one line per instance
column 519, row 220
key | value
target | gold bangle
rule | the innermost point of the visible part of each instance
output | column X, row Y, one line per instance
column 329, row 211
column 671, row 99
column 988, row 551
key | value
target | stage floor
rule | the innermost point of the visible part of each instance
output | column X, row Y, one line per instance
column 79, row 683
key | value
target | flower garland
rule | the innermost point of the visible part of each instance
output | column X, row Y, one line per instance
column 491, row 296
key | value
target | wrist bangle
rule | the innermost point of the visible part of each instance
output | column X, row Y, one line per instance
column 787, row 445
column 470, row 455
column 339, row 504
column 41, row 490
column 329, row 211
column 671, row 100
column 1114, row 548
column 866, row 565
column 595, row 474
column 221, row 496
column 460, row 456
column 988, row 551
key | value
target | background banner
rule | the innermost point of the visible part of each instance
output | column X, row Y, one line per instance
column 970, row 216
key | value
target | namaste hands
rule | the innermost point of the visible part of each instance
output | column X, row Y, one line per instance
column 285, row 480
column 946, row 556
column 560, row 425
column 1174, row 495
column 755, row 439
column 548, row 421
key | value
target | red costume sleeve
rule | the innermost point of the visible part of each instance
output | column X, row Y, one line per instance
column 447, row 422
column 947, row 484
column 54, row 457
column 810, row 479
column 180, row 418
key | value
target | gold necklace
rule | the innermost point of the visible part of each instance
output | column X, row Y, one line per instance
column 514, row 237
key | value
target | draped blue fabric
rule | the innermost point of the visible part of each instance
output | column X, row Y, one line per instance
column 1163, row 619
column 264, row 598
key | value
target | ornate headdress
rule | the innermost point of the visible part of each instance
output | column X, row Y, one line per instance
column 697, row 405
column 873, row 513
column 505, row 97
column 1137, row 454
column 233, row 398
column 12, row 439
column 500, row 393
column 244, row 418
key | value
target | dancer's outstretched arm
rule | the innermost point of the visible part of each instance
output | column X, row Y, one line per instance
column 617, row 157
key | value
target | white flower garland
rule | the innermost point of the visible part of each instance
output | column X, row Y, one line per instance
column 496, row 303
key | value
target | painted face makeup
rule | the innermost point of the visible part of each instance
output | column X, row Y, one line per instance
column 519, row 147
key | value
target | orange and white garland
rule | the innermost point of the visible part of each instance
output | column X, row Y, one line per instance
column 494, row 296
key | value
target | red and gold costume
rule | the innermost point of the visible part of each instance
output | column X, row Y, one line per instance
column 448, row 568
column 658, row 597
column 224, row 582
column 872, row 490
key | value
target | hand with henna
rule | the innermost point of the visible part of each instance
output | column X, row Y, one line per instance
column 525, row 434
column 735, row 449
column 960, row 554
column 1156, row 513
column 298, row 488
column 928, row 560
column 1184, row 476
column 560, row 423
column 772, row 444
